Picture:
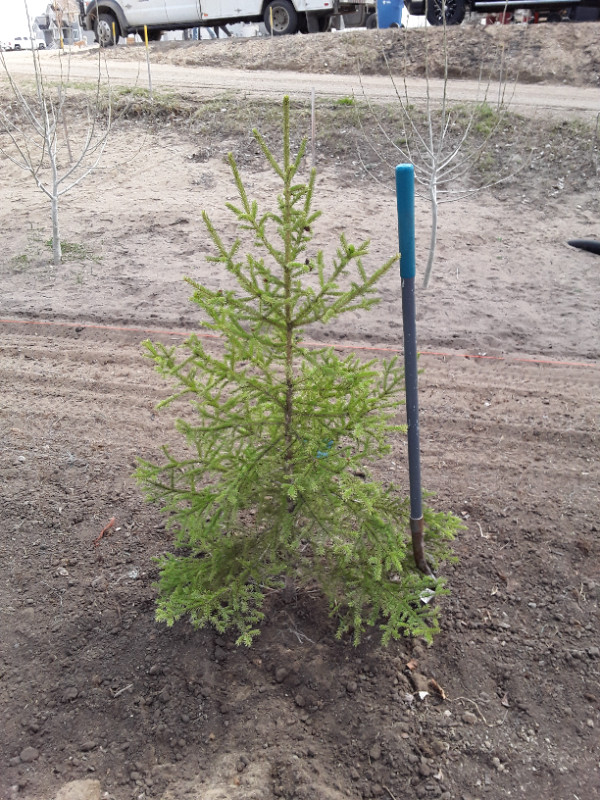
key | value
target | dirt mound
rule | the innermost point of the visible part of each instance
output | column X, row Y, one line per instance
column 564, row 53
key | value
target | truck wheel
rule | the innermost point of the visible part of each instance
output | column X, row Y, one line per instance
column 454, row 11
column 104, row 30
column 285, row 19
column 371, row 21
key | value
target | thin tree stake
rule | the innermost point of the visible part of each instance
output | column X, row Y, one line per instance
column 148, row 62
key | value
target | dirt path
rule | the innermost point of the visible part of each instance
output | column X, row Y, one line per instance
column 211, row 81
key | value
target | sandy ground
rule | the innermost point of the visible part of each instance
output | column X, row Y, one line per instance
column 93, row 689
column 505, row 281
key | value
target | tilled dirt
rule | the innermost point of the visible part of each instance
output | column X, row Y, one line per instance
column 93, row 689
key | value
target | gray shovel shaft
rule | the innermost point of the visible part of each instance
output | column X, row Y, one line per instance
column 411, row 379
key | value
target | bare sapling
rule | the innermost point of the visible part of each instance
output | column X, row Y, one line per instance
column 445, row 140
column 35, row 135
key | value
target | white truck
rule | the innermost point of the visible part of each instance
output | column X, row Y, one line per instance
column 111, row 19
column 452, row 12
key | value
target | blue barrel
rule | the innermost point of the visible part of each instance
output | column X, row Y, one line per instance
column 389, row 13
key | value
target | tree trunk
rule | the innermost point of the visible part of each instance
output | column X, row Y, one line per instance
column 56, row 247
column 289, row 366
column 434, row 227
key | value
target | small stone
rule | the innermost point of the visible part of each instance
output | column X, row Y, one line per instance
column 87, row 746
column 240, row 766
column 300, row 701
column 425, row 770
column 155, row 669
column 281, row 674
column 29, row 754
column 354, row 774
column 590, row 723
column 375, row 752
column 135, row 776
column 220, row 653
column 469, row 718
column 351, row 687
column 70, row 694
column 593, row 652
column 420, row 682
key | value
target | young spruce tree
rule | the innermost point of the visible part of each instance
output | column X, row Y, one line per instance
column 276, row 492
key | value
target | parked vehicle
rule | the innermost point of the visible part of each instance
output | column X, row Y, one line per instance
column 25, row 43
column 111, row 19
column 455, row 10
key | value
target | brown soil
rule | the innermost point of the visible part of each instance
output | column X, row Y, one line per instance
column 93, row 688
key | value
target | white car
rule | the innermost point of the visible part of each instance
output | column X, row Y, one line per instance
column 25, row 43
